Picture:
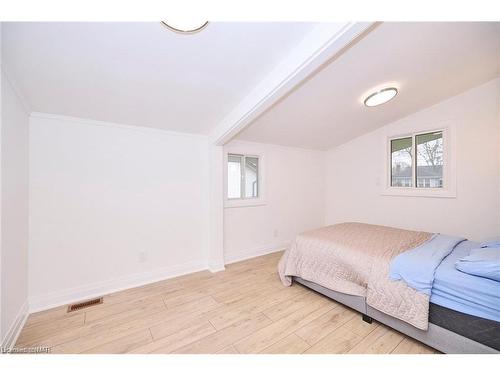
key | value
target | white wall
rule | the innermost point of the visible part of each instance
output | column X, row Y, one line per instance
column 14, row 212
column 102, row 193
column 354, row 172
column 293, row 201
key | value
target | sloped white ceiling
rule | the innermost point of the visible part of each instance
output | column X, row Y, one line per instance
column 141, row 73
column 429, row 62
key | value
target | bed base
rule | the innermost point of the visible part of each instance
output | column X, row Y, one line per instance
column 436, row 337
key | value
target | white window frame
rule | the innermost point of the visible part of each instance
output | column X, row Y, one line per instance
column 246, row 151
column 243, row 164
column 449, row 178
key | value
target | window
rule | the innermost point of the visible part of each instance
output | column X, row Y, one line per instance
column 429, row 171
column 401, row 162
column 417, row 160
column 242, row 176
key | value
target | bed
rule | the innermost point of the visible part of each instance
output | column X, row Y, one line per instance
column 423, row 296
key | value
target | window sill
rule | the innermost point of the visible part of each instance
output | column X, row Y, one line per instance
column 419, row 192
column 233, row 203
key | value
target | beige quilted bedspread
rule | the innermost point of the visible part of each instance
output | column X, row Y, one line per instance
column 354, row 258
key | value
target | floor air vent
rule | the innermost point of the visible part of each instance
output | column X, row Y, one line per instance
column 84, row 304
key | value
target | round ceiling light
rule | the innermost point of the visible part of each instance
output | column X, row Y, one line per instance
column 185, row 26
column 381, row 96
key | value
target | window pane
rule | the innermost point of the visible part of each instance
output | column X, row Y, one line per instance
column 401, row 162
column 251, row 177
column 234, row 176
column 430, row 160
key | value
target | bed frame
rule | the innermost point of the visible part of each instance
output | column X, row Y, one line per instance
column 436, row 337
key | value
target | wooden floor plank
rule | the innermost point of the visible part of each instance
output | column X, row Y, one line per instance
column 288, row 307
column 44, row 317
column 113, row 309
column 343, row 339
column 123, row 344
column 325, row 324
column 231, row 314
column 40, row 332
column 382, row 340
column 221, row 339
column 291, row 344
column 278, row 330
column 228, row 350
column 339, row 341
column 411, row 346
column 177, row 340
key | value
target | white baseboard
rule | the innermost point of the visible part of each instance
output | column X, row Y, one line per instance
column 16, row 327
column 216, row 267
column 64, row 297
column 255, row 252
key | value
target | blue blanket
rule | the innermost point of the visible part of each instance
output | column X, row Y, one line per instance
column 484, row 262
column 417, row 266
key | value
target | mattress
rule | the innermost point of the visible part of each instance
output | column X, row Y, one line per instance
column 472, row 295
column 481, row 330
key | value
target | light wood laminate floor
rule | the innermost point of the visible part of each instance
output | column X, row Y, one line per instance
column 244, row 309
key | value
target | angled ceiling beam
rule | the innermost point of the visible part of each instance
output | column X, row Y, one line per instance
column 318, row 47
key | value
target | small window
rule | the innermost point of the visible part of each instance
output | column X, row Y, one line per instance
column 417, row 161
column 242, row 176
column 429, row 172
column 401, row 162
column 234, row 176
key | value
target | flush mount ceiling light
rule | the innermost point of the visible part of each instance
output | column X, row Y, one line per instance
column 186, row 26
column 381, row 96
